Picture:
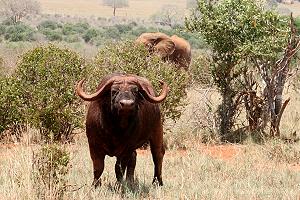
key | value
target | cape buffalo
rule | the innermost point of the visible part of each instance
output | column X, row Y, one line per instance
column 124, row 114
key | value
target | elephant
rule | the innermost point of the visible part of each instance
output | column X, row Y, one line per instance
column 174, row 48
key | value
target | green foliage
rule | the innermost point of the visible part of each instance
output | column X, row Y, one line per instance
column 51, row 29
column 11, row 102
column 47, row 75
column 53, row 35
column 78, row 28
column 69, row 32
column 129, row 58
column 111, row 33
column 91, row 33
column 2, row 29
column 72, row 38
column 50, row 169
column 200, row 70
column 19, row 32
column 297, row 23
column 1, row 65
column 125, row 28
column 236, row 30
column 48, row 24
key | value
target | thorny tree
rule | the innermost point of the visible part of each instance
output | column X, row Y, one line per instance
column 243, row 34
column 15, row 10
column 275, row 75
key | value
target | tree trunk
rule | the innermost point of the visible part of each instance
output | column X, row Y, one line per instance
column 276, row 80
column 226, row 111
column 114, row 11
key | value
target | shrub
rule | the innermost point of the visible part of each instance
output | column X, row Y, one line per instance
column 47, row 75
column 200, row 70
column 48, row 24
column 297, row 23
column 78, row 28
column 11, row 115
column 129, row 58
column 1, row 65
column 91, row 33
column 53, row 35
column 2, row 29
column 50, row 168
column 141, row 29
column 19, row 32
column 124, row 28
column 72, row 38
column 111, row 33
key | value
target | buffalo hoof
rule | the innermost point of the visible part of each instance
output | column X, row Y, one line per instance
column 96, row 183
column 157, row 182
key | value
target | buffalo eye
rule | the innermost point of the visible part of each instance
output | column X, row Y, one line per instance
column 135, row 89
column 114, row 92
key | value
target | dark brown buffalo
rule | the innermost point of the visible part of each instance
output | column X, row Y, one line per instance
column 122, row 116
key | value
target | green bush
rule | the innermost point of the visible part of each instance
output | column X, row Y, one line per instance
column 111, row 33
column 78, row 28
column 48, row 75
column 200, row 70
column 124, row 28
column 50, row 169
column 2, row 29
column 11, row 115
column 72, row 38
column 297, row 23
column 1, row 65
column 19, row 32
column 48, row 24
column 53, row 35
column 141, row 29
column 129, row 58
column 90, row 34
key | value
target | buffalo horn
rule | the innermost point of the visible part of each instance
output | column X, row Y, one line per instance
column 94, row 96
column 151, row 98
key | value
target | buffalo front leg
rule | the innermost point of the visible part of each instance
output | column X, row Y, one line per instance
column 131, row 167
column 98, row 164
column 120, row 168
column 157, row 152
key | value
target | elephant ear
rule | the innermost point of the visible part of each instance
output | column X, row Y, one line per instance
column 164, row 47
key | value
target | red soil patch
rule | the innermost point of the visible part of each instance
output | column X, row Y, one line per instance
column 224, row 152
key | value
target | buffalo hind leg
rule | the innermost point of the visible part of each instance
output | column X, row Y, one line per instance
column 157, row 152
column 131, row 167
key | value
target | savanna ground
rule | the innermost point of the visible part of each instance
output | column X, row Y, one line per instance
column 191, row 169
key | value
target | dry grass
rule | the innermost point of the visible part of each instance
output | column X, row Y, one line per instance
column 136, row 8
column 294, row 8
column 201, row 172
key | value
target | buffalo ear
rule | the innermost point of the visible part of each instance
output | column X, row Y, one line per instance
column 164, row 47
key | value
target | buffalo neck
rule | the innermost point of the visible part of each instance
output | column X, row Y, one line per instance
column 122, row 124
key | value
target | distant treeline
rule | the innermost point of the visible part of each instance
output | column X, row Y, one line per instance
column 49, row 30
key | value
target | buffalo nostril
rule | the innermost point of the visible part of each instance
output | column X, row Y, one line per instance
column 126, row 103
